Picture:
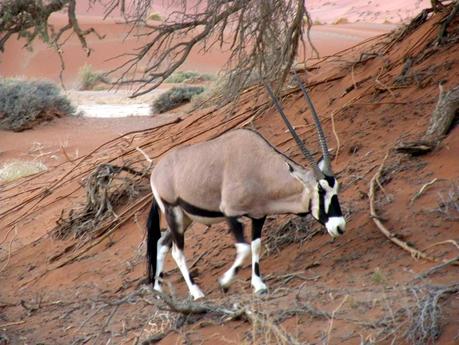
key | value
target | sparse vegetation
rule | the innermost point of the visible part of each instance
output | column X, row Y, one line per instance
column 342, row 20
column 189, row 77
column 175, row 97
column 90, row 78
column 155, row 17
column 448, row 204
column 15, row 170
column 25, row 103
column 378, row 277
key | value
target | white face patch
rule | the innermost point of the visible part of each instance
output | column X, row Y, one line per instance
column 329, row 193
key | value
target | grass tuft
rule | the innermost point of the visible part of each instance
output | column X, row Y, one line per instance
column 189, row 77
column 89, row 78
column 15, row 170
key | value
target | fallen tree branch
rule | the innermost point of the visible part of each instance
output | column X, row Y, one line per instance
column 257, row 319
column 415, row 253
column 437, row 268
column 440, row 123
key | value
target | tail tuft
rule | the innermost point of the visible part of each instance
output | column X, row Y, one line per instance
column 153, row 236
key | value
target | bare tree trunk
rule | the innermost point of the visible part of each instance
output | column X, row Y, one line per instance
column 440, row 123
column 443, row 115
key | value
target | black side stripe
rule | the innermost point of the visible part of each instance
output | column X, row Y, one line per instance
column 194, row 210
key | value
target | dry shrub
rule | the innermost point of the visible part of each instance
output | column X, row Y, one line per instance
column 448, row 204
column 342, row 20
column 89, row 78
column 14, row 170
column 175, row 97
column 24, row 104
column 189, row 77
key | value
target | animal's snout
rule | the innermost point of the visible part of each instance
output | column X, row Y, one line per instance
column 336, row 226
column 340, row 231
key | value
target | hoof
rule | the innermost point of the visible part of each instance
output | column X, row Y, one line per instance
column 225, row 289
column 261, row 292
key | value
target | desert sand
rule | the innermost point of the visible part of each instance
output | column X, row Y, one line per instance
column 351, row 290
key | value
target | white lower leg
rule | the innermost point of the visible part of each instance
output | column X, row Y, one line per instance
column 242, row 251
column 179, row 258
column 161, row 255
column 257, row 282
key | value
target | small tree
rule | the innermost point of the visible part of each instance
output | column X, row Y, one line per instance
column 264, row 35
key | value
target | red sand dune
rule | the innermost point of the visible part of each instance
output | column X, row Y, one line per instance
column 43, row 62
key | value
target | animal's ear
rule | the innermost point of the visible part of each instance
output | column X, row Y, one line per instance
column 321, row 163
column 295, row 173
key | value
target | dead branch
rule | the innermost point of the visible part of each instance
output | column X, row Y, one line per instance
column 256, row 318
column 258, row 50
column 440, row 123
column 376, row 219
column 420, row 191
column 330, row 325
column 103, row 193
column 437, row 268
column 442, row 33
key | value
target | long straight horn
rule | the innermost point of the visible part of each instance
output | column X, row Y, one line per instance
column 320, row 132
column 317, row 172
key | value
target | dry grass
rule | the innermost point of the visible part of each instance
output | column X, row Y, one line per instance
column 15, row 170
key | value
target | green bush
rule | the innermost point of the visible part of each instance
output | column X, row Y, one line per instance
column 25, row 103
column 90, row 78
column 188, row 76
column 175, row 97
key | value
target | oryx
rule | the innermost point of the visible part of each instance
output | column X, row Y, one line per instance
column 239, row 174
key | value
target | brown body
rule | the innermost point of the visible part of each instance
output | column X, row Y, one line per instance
column 238, row 174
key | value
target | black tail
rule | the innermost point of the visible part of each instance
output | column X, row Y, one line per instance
column 153, row 236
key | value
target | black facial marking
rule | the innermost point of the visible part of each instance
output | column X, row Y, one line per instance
column 335, row 209
column 322, row 215
column 257, row 269
column 331, row 180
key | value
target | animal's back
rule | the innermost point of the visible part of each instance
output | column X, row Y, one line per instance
column 238, row 163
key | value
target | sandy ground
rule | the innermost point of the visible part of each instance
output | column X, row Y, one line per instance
column 58, row 292
column 112, row 103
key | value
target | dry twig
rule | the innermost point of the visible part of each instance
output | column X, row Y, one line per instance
column 376, row 219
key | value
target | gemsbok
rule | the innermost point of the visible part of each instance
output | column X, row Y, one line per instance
column 239, row 174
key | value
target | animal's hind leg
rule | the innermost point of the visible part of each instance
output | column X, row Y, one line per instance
column 177, row 223
column 164, row 244
column 242, row 251
column 257, row 283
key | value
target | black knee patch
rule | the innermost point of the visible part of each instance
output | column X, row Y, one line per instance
column 257, row 268
column 191, row 279
column 161, row 275
column 237, row 269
